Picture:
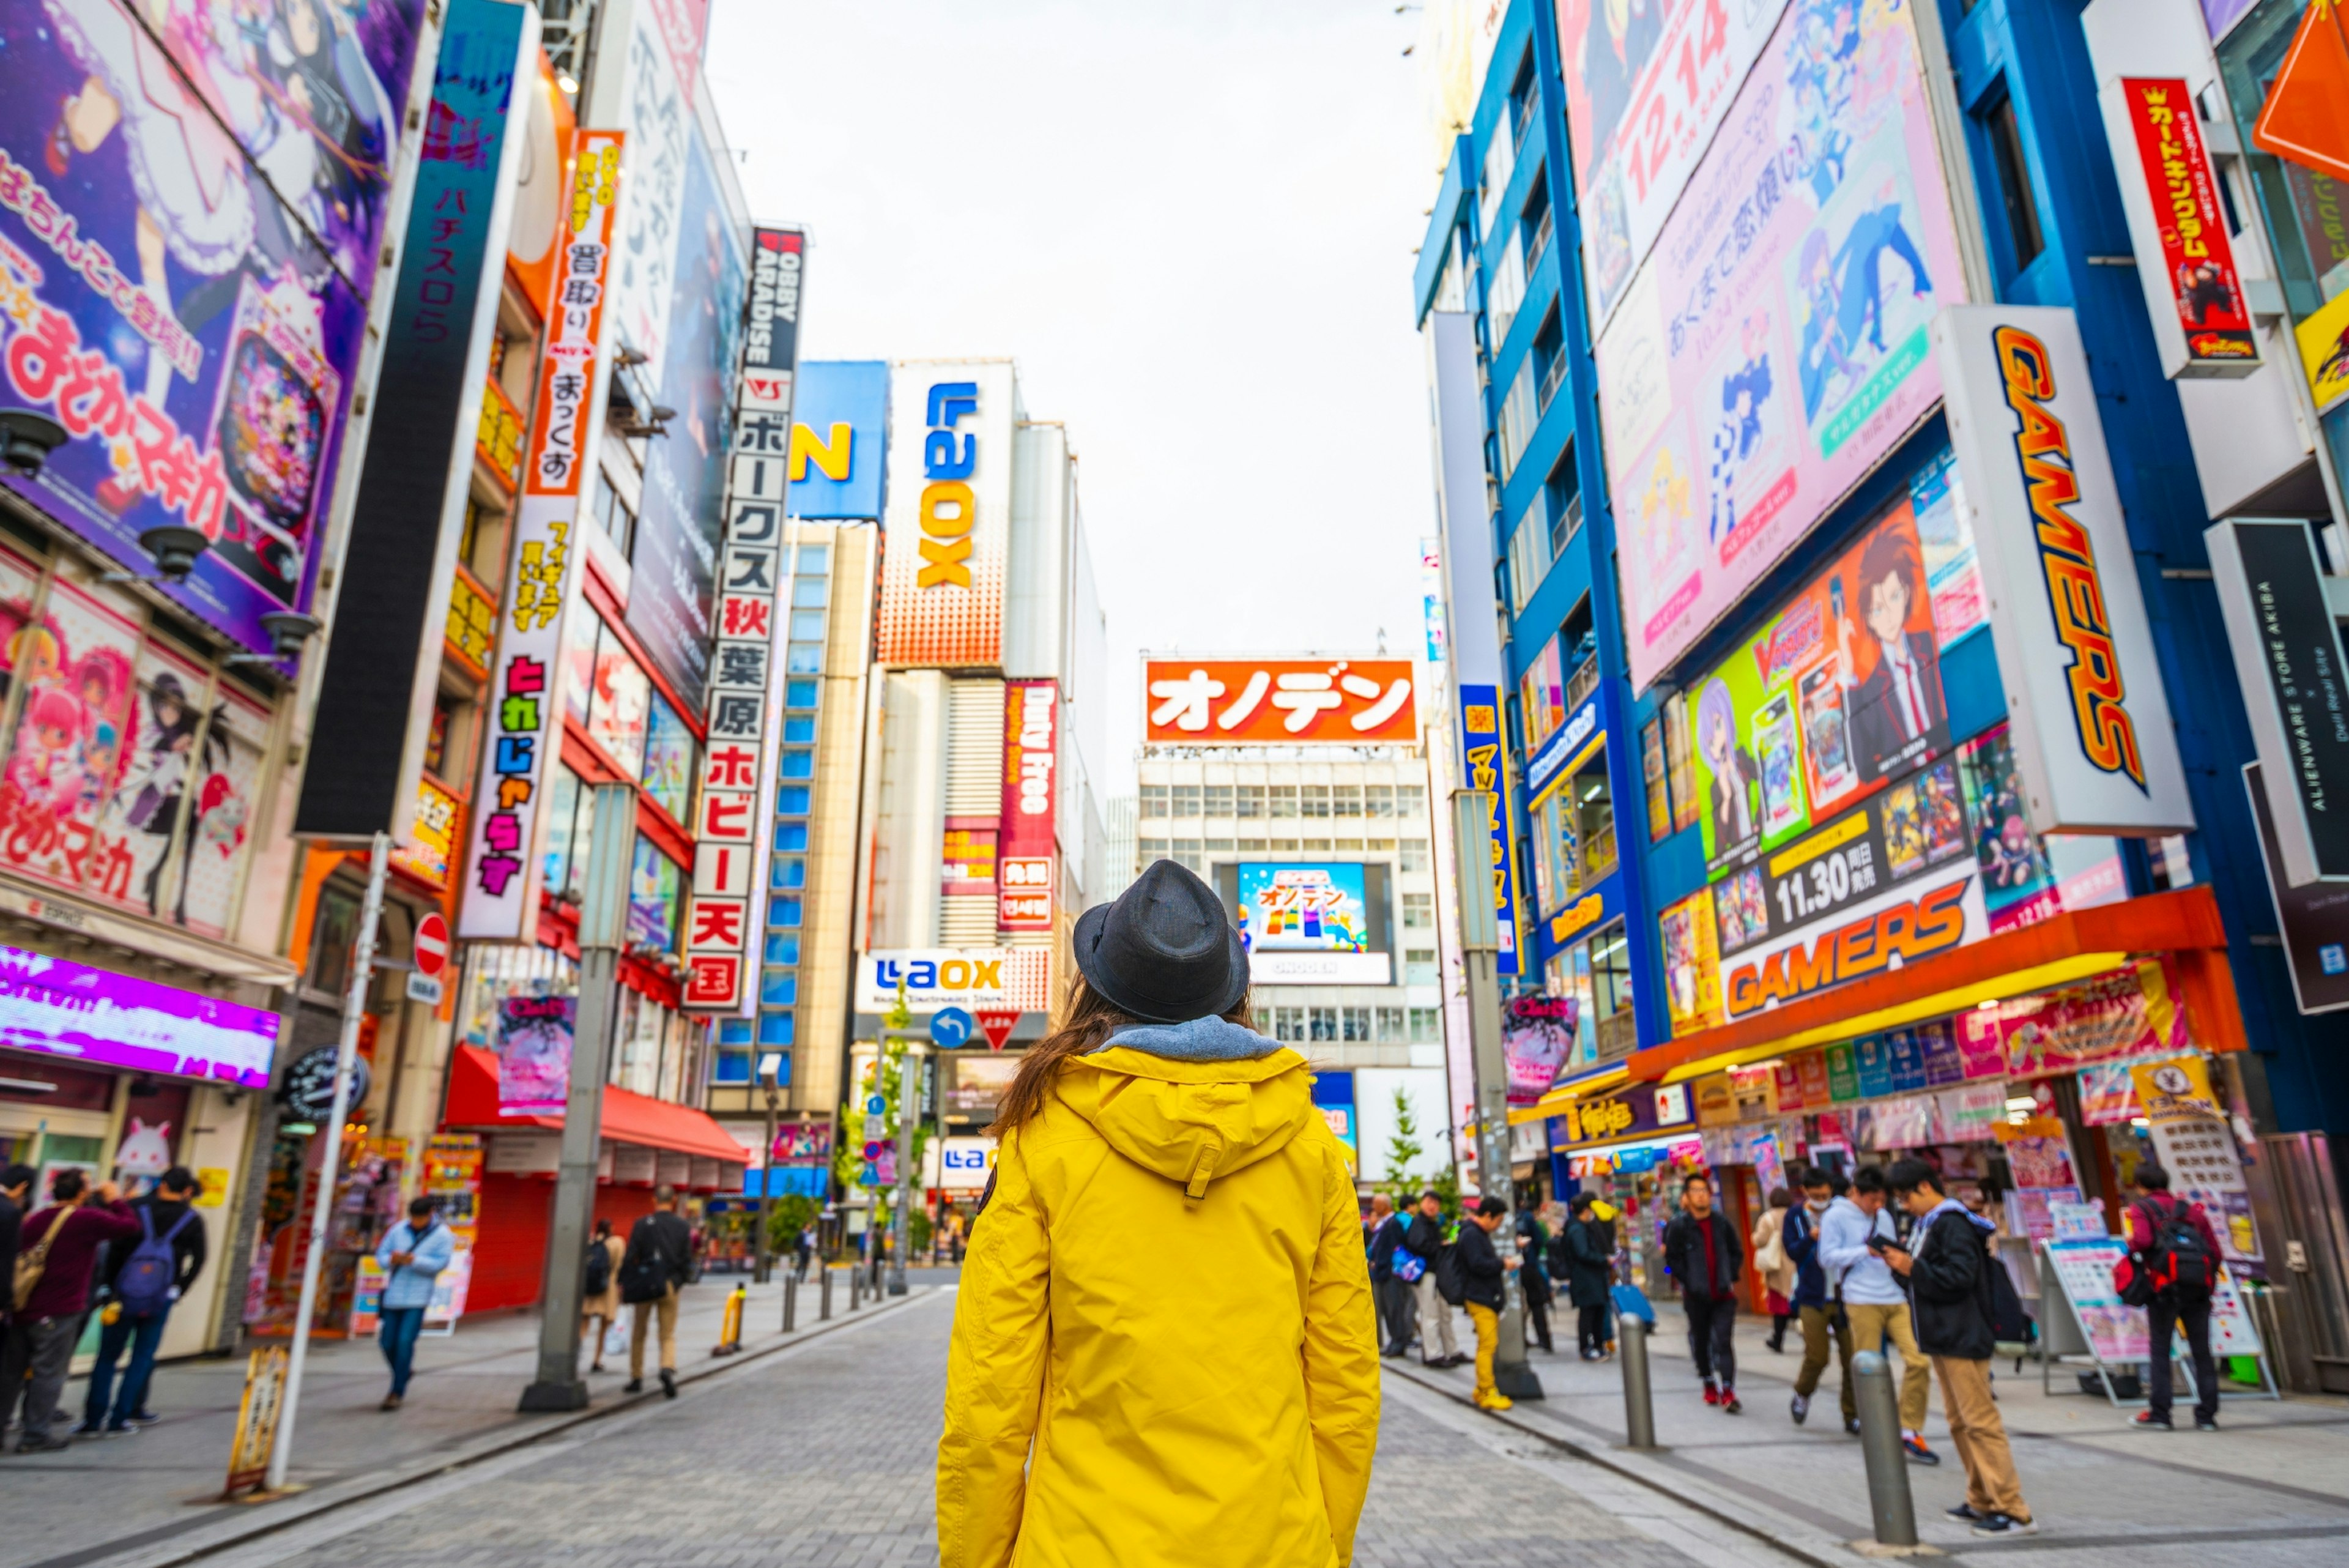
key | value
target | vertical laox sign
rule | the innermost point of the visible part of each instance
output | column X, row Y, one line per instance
column 1484, row 767
column 1025, row 855
column 942, row 575
column 2091, row 722
column 731, row 836
column 524, row 705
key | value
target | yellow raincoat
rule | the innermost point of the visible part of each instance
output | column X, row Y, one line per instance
column 1167, row 1293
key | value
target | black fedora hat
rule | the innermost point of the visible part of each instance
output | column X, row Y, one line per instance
column 1165, row 950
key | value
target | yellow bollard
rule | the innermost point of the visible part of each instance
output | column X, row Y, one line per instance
column 729, row 1330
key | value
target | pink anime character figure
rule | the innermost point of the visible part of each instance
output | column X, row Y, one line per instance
column 46, row 769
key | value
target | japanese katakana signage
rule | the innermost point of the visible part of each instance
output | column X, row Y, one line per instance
column 1025, row 851
column 949, row 524
column 2201, row 319
column 732, row 841
column 1279, row 702
column 1485, row 767
column 522, row 706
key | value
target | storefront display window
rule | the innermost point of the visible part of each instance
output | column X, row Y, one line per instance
column 656, row 885
column 1574, row 830
column 618, row 704
column 1542, row 697
column 570, row 822
column 669, row 769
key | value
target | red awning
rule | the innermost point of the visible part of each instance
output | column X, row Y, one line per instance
column 628, row 1118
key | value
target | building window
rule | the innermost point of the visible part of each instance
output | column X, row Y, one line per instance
column 787, row 871
column 1414, row 855
column 1248, row 801
column 779, row 987
column 799, row 730
column 1284, row 799
column 1378, row 800
column 1345, row 800
column 1313, row 800
column 1548, row 357
column 1192, row 854
column 1610, row 987
column 815, row 558
column 1151, row 850
column 2014, row 188
column 1562, row 497
column 803, row 658
column 1680, row 763
column 775, row 1029
column 798, row 764
column 1324, row 1024
column 1186, row 801
column 1425, row 1025
column 792, row 800
column 1529, row 560
column 1219, row 800
column 798, row 693
column 1390, row 1024
column 783, row 913
column 1419, row 911
column 1410, row 800
column 783, row 949
column 730, row 1067
column 809, row 593
column 1154, row 801
column 790, row 837
column 807, row 625
column 1355, row 1024
column 1517, row 416
column 1653, row 774
column 1288, row 1023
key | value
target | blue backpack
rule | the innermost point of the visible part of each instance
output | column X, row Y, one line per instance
column 144, row 1285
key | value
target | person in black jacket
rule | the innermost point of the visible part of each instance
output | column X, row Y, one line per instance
column 1816, row 1310
column 16, row 1187
column 1485, row 1274
column 1392, row 1292
column 658, row 1261
column 1424, row 1238
column 1533, row 1276
column 1947, row 1265
column 1590, row 1253
column 1705, row 1255
column 168, row 1213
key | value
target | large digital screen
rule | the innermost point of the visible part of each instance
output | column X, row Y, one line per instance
column 1312, row 922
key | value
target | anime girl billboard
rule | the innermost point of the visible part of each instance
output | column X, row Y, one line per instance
column 192, row 202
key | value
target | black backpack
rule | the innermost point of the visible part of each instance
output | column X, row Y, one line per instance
column 2177, row 1261
column 1451, row 1281
column 2009, row 1322
column 599, row 1268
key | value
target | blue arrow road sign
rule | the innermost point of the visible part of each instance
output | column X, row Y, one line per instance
column 952, row 1026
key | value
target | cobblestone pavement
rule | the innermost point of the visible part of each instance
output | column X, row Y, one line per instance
column 821, row 1458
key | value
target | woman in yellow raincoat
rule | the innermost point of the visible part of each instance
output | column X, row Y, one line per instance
column 1164, row 1295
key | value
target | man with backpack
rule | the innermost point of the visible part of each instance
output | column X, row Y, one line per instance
column 55, row 1258
column 2178, row 1252
column 1394, row 1269
column 659, row 1259
column 142, row 1282
column 1423, row 1239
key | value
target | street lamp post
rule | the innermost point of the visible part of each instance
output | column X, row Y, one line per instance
column 909, row 1178
column 770, row 1069
column 1480, row 944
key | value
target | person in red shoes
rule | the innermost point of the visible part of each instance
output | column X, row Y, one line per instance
column 1706, row 1257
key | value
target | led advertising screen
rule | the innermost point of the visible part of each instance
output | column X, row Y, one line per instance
column 1774, row 345
column 1312, row 922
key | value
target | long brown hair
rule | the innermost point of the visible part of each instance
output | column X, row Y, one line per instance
column 1091, row 1019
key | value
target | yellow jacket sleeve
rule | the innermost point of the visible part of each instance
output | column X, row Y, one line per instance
column 995, row 1375
column 1341, row 1361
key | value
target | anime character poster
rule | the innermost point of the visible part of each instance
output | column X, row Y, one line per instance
column 534, row 1042
column 192, row 202
column 1772, row 347
column 2018, row 884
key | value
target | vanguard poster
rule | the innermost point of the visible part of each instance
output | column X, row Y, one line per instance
column 190, row 212
column 1774, row 345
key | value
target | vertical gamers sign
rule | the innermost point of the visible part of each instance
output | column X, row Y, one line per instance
column 730, row 835
column 942, row 578
column 524, row 709
column 1025, row 851
column 2091, row 720
column 2171, row 195
column 1484, row 768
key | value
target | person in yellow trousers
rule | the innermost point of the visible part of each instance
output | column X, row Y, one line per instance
column 1164, row 1350
column 1485, row 1275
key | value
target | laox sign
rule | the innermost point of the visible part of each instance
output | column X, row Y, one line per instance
column 950, row 510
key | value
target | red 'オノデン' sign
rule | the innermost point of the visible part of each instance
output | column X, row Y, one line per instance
column 1278, row 702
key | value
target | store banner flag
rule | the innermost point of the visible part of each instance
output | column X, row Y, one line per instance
column 533, row 1045
column 2089, row 717
column 1646, row 87
column 523, row 707
column 1026, row 837
column 1484, row 768
column 949, row 515
column 2170, row 192
column 185, row 267
column 732, row 840
column 2289, row 661
column 1773, row 349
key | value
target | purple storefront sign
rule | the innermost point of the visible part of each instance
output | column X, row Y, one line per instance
column 190, row 212
column 64, row 1009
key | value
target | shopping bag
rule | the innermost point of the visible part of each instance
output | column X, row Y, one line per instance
column 616, row 1340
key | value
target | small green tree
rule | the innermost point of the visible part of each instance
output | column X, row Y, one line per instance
column 787, row 1216
column 1446, row 1187
column 1403, row 1150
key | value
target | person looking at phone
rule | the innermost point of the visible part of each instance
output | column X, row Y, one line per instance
column 1852, row 1237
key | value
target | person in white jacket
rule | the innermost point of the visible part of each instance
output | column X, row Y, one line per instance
column 1873, row 1302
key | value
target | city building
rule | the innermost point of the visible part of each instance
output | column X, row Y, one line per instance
column 1751, row 436
column 1321, row 839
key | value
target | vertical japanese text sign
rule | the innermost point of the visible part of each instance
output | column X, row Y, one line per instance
column 1484, row 768
column 1025, row 852
column 524, row 707
column 731, row 828
column 2201, row 320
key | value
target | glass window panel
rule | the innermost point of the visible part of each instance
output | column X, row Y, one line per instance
column 798, row 764
column 669, row 769
column 619, row 704
column 1187, row 800
column 1419, row 911
column 1410, row 800
column 1414, row 855
column 1324, row 1023
column 1154, row 801
column 1218, row 800
column 807, row 626
column 790, row 836
column 1284, row 800
column 788, row 871
column 1248, row 801
column 1345, row 800
column 792, row 800
column 809, row 593
column 775, row 1028
column 731, row 1067
column 1390, row 1024
column 800, row 729
column 783, row 912
column 803, row 658
column 1424, row 1026
column 779, row 987
column 798, row 693
column 782, row 948
column 815, row 558
column 1378, row 799
column 733, row 1032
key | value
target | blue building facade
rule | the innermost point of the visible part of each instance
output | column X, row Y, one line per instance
column 1786, row 821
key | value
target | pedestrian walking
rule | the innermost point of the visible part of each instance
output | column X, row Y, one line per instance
column 807, row 1249
column 1948, row 1265
column 411, row 1254
column 1390, row 1261
column 1424, row 1238
column 1818, row 1311
column 57, row 1261
column 15, row 1192
column 1483, row 1279
column 599, row 1291
column 1163, row 1349
column 1701, row 1250
column 142, row 1282
column 1590, row 1245
column 1533, row 1276
column 1857, row 1230
column 2178, row 1252
column 658, row 1264
column 1777, row 1269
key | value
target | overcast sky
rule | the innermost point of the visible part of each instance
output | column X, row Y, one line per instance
column 1191, row 225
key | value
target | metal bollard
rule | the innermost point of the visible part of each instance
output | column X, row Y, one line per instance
column 790, row 1302
column 823, row 1296
column 1889, row 1501
column 1639, row 1392
column 855, row 1288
